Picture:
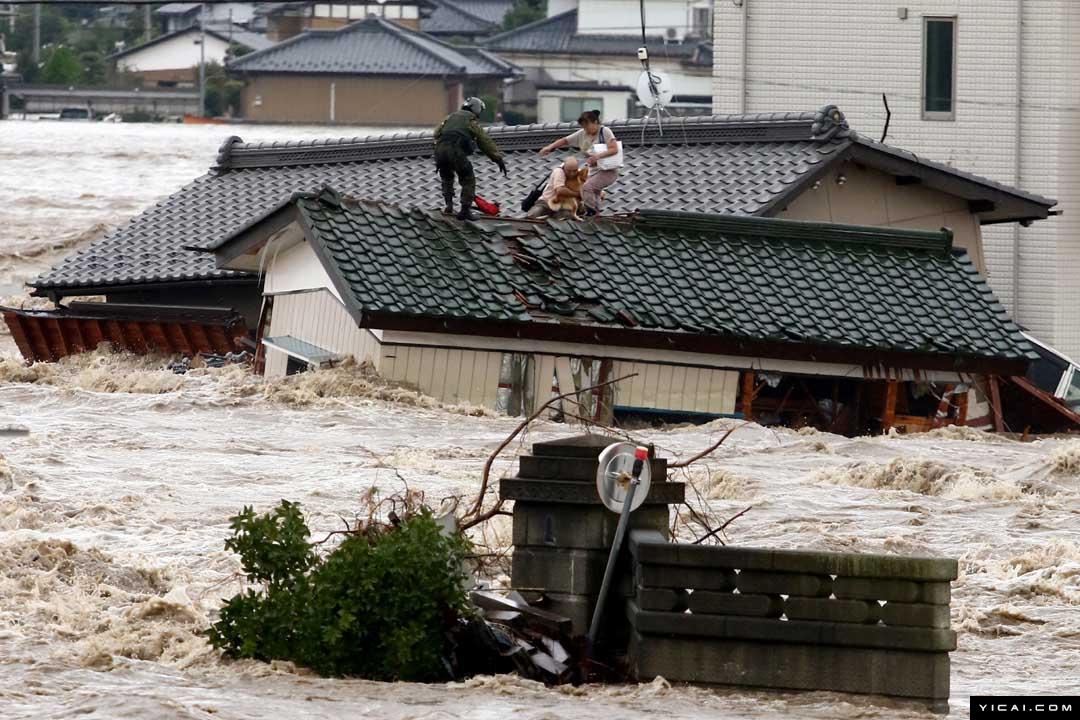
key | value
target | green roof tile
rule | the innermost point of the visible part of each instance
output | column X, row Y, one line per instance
column 747, row 278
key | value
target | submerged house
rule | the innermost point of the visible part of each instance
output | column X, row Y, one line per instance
column 699, row 308
column 796, row 166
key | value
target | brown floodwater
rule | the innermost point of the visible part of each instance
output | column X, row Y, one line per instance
column 115, row 503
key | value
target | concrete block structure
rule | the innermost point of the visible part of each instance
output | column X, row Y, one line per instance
column 562, row 531
column 989, row 86
column 789, row 620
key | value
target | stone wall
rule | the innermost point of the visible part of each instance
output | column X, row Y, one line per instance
column 856, row 623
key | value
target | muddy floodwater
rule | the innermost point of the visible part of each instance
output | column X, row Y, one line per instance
column 117, row 486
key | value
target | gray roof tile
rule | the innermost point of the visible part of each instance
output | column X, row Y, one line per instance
column 742, row 165
column 558, row 35
column 772, row 281
column 465, row 17
column 369, row 47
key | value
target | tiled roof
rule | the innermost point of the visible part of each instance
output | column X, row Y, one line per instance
column 754, row 279
column 743, row 165
column 221, row 31
column 558, row 35
column 465, row 17
column 370, row 47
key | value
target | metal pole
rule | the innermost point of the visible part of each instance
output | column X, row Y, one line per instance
column 609, row 571
column 147, row 32
column 202, row 60
column 37, row 34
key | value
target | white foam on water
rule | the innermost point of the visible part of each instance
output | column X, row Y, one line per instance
column 115, row 505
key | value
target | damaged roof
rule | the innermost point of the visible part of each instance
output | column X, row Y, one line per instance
column 762, row 282
column 372, row 47
column 736, row 164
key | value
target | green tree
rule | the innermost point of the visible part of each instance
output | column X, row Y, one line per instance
column 93, row 67
column 524, row 12
column 61, row 68
column 135, row 32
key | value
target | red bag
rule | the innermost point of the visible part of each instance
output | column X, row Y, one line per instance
column 485, row 206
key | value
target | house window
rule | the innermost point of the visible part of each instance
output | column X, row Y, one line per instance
column 570, row 109
column 295, row 366
column 939, row 68
column 702, row 22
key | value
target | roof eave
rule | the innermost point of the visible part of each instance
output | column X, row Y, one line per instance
column 1008, row 205
column 689, row 342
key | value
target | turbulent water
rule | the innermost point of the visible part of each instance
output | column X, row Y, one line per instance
column 115, row 502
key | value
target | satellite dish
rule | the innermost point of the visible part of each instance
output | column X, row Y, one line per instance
column 613, row 475
column 656, row 93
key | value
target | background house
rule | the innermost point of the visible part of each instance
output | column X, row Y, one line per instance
column 181, row 15
column 993, row 87
column 284, row 20
column 172, row 60
column 585, row 55
column 370, row 72
column 465, row 20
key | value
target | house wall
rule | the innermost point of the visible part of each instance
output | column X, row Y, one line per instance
column 602, row 69
column 613, row 104
column 871, row 197
column 670, row 18
column 357, row 100
column 317, row 317
column 240, row 13
column 1018, row 72
column 176, row 53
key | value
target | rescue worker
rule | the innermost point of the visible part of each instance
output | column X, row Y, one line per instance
column 456, row 138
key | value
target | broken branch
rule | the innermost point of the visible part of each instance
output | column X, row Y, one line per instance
column 720, row 529
column 484, row 478
column 709, row 450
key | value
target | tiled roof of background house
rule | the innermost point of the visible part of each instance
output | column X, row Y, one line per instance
column 558, row 35
column 752, row 279
column 743, row 165
column 222, row 31
column 465, row 17
column 370, row 47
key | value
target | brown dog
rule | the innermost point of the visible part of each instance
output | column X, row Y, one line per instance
column 574, row 181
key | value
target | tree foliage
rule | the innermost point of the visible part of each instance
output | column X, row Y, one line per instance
column 378, row 606
column 524, row 12
column 61, row 68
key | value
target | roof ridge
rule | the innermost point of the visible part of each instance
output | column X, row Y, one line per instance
column 236, row 63
column 529, row 26
column 457, row 8
column 755, row 127
column 809, row 231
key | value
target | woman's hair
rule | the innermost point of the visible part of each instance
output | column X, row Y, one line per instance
column 589, row 116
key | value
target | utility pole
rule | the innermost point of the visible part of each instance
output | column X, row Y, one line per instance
column 202, row 60
column 37, row 33
column 147, row 30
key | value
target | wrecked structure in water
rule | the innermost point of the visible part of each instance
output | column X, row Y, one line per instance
column 791, row 166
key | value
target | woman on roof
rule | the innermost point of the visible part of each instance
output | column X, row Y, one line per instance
column 586, row 140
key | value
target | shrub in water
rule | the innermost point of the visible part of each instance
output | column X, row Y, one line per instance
column 378, row 606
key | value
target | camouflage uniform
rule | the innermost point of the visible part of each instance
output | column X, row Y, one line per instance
column 455, row 139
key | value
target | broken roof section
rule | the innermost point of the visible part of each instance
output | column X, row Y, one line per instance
column 372, row 47
column 736, row 164
column 685, row 281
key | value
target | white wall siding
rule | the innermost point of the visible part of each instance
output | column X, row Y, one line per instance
column 296, row 268
column 319, row 318
column 801, row 55
column 676, row 387
column 178, row 53
column 449, row 375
